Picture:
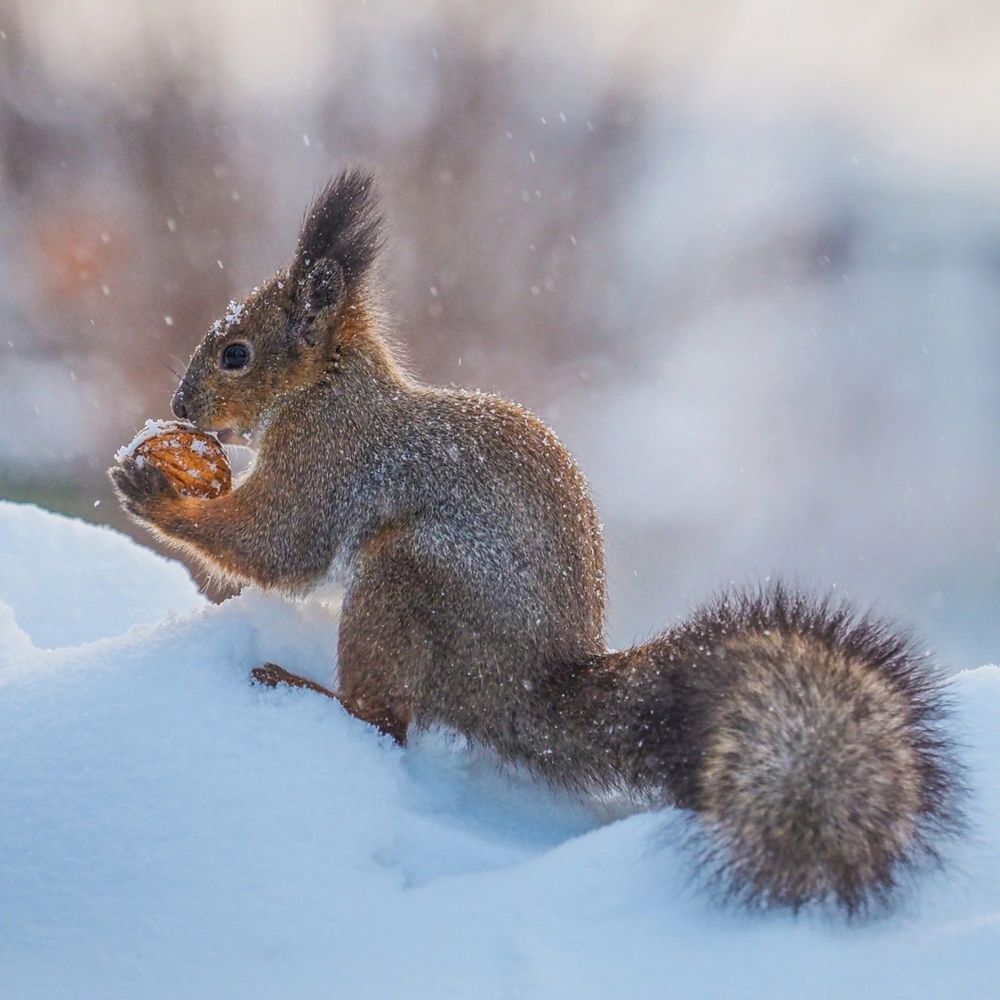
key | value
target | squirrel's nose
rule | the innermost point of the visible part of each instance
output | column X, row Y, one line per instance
column 179, row 407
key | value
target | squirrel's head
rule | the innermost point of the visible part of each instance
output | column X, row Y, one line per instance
column 289, row 332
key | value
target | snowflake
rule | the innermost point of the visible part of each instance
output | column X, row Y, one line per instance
column 234, row 312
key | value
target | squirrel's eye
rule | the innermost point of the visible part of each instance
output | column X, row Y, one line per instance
column 235, row 356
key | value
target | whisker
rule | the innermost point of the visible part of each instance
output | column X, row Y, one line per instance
column 181, row 378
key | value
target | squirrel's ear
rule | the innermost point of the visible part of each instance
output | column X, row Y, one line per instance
column 340, row 233
column 322, row 286
column 318, row 286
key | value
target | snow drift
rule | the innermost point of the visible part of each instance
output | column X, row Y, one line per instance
column 169, row 830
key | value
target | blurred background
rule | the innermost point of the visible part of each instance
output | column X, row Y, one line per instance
column 743, row 256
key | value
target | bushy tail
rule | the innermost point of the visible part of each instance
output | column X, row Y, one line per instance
column 807, row 740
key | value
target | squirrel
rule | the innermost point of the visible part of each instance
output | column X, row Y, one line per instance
column 807, row 742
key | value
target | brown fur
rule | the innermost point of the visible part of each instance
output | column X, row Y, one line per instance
column 471, row 553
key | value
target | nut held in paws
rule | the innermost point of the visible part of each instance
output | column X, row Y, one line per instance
column 193, row 461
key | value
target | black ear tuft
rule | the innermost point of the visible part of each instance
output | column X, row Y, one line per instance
column 343, row 224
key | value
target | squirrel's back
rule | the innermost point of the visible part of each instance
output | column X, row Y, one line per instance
column 501, row 494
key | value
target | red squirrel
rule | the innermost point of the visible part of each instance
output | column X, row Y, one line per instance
column 806, row 741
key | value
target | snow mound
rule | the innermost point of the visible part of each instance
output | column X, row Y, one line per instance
column 69, row 582
column 170, row 830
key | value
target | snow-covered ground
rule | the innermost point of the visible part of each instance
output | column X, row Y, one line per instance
column 169, row 830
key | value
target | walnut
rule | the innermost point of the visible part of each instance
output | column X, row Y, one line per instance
column 193, row 461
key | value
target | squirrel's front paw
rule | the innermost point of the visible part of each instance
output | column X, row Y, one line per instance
column 140, row 485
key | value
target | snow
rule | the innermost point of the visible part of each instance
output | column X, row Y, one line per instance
column 234, row 312
column 170, row 830
column 69, row 583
